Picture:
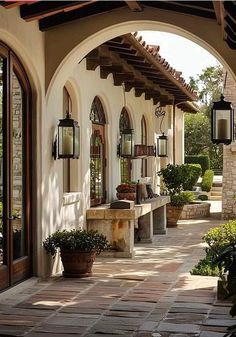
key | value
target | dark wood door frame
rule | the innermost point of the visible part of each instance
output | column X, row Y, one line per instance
column 14, row 271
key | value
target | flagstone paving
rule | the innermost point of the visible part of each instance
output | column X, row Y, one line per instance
column 151, row 295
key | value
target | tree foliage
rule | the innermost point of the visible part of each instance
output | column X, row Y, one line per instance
column 208, row 85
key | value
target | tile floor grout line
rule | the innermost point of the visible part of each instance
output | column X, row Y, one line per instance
column 54, row 313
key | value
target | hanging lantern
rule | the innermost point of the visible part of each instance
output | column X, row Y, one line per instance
column 68, row 138
column 127, row 143
column 222, row 122
column 162, row 142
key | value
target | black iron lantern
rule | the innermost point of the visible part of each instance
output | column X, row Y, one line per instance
column 127, row 143
column 68, row 139
column 162, row 142
column 222, row 122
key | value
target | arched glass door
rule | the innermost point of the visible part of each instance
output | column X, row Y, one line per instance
column 15, row 189
column 97, row 154
column 143, row 142
column 125, row 163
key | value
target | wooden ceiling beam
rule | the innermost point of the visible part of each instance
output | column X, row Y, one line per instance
column 106, row 70
column 43, row 9
column 123, row 51
column 121, row 78
column 183, row 7
column 12, row 4
column 220, row 14
column 139, row 91
column 134, row 6
column 93, row 63
column 93, row 8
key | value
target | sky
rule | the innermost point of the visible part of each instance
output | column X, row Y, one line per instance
column 182, row 54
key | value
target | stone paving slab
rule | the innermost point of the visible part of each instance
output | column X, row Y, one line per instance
column 151, row 295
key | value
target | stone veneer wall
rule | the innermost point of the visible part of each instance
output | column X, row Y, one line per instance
column 195, row 211
column 229, row 163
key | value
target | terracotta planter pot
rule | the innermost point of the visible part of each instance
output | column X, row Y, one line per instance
column 173, row 215
column 127, row 196
column 76, row 263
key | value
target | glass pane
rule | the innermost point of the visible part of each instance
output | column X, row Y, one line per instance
column 1, row 160
column 18, row 225
column 125, row 170
column 222, row 124
column 96, row 168
column 65, row 140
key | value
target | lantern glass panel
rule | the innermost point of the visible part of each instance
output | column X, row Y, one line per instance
column 221, row 124
column 65, row 141
column 162, row 146
column 127, row 144
column 77, row 141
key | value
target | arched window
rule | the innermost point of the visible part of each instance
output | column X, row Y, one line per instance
column 125, row 163
column 97, row 115
column 143, row 142
column 67, row 107
column 97, row 154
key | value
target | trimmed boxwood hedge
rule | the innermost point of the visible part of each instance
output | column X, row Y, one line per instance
column 194, row 172
column 203, row 160
column 207, row 180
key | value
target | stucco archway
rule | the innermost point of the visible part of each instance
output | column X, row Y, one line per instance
column 80, row 39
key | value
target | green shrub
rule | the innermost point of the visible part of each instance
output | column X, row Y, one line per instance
column 207, row 180
column 204, row 268
column 203, row 160
column 177, row 200
column 188, row 196
column 194, row 172
column 203, row 197
column 220, row 237
column 174, row 177
column 217, row 239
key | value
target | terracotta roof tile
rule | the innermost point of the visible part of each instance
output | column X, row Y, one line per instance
column 154, row 52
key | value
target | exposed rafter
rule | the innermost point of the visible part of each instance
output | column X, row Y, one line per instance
column 134, row 6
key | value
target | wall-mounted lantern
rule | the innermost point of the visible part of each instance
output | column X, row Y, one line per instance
column 162, row 146
column 162, row 141
column 222, row 122
column 67, row 143
column 126, row 148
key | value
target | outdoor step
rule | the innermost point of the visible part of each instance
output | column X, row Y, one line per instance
column 215, row 197
column 216, row 193
column 217, row 184
column 216, row 188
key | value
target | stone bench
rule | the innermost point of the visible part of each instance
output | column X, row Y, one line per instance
column 118, row 224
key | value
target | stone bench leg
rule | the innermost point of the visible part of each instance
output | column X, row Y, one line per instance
column 145, row 224
column 159, row 220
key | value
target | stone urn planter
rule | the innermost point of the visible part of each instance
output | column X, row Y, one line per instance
column 78, row 264
column 173, row 214
column 78, row 249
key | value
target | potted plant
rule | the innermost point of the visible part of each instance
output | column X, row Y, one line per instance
column 78, row 249
column 174, row 177
column 126, row 191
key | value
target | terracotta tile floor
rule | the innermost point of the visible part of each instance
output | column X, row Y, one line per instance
column 151, row 295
